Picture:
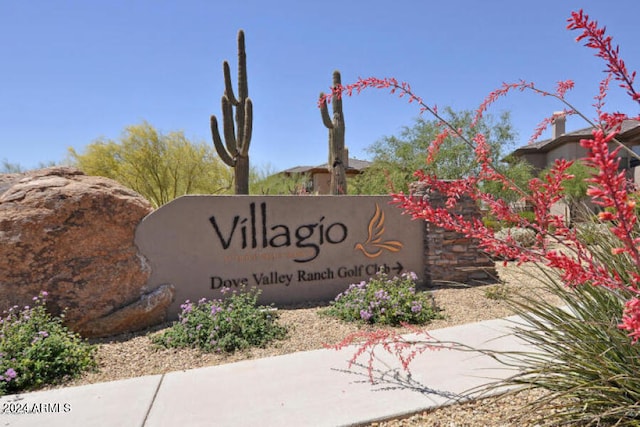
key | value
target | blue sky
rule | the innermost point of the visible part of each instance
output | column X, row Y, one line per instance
column 75, row 71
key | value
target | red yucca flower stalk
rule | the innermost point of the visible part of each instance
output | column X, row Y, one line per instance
column 608, row 188
column 596, row 39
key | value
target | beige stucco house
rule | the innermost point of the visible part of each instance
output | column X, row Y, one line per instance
column 566, row 145
column 319, row 178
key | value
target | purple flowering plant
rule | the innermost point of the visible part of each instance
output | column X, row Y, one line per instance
column 385, row 300
column 36, row 349
column 225, row 325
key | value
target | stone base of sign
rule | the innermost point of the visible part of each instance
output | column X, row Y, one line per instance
column 450, row 257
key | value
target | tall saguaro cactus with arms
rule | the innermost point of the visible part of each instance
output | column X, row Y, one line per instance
column 337, row 162
column 237, row 136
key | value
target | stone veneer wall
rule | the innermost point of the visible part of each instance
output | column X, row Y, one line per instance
column 450, row 256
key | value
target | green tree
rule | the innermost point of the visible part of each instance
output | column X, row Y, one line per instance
column 396, row 158
column 518, row 171
column 159, row 167
column 574, row 190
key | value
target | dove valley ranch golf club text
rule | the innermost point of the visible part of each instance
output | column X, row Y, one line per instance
column 254, row 230
column 276, row 278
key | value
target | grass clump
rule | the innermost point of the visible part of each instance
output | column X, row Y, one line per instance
column 36, row 349
column 386, row 301
column 496, row 292
column 233, row 323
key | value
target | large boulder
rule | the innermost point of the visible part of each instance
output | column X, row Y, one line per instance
column 72, row 235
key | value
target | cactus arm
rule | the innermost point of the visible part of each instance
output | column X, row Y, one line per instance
column 228, row 88
column 217, row 143
column 248, row 127
column 228, row 127
column 325, row 113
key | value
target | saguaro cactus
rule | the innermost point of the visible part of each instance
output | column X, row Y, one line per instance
column 337, row 162
column 237, row 138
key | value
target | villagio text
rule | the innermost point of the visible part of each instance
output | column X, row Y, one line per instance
column 300, row 275
column 254, row 230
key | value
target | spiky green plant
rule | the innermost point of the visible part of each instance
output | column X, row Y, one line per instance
column 580, row 356
column 237, row 137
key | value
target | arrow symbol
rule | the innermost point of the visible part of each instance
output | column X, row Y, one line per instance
column 398, row 268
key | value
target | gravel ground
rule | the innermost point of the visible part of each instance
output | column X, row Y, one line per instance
column 133, row 355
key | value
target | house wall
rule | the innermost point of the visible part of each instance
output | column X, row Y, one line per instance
column 539, row 161
column 569, row 151
column 321, row 183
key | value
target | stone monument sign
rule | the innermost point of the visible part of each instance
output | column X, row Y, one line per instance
column 292, row 248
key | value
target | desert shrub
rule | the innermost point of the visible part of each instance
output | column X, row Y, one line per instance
column 495, row 224
column 529, row 216
column 235, row 322
column 384, row 300
column 36, row 349
column 523, row 237
column 496, row 292
column 492, row 223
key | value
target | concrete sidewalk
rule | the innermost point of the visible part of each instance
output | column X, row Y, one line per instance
column 313, row 388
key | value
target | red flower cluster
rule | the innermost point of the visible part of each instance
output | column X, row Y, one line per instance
column 596, row 39
column 405, row 350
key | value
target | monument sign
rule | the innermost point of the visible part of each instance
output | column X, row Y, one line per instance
column 292, row 248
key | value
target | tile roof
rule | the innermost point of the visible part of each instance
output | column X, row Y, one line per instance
column 629, row 128
column 354, row 165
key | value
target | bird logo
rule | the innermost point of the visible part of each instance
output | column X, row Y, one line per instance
column 374, row 245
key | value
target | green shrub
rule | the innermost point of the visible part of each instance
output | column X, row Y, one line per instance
column 528, row 215
column 36, row 349
column 384, row 300
column 223, row 325
column 496, row 292
column 492, row 223
column 495, row 224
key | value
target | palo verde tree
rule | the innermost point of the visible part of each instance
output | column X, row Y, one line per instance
column 237, row 137
column 159, row 167
column 335, row 124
